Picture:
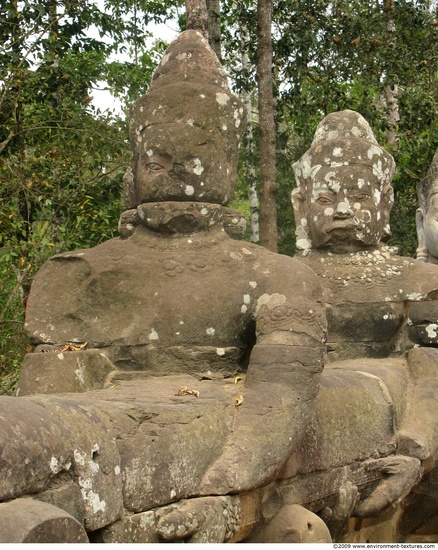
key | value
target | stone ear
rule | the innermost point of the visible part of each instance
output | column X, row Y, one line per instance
column 386, row 207
column 421, row 252
column 298, row 199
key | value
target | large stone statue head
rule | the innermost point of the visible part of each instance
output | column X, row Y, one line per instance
column 427, row 214
column 344, row 194
column 185, row 131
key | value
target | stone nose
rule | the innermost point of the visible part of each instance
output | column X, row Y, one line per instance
column 343, row 211
column 178, row 169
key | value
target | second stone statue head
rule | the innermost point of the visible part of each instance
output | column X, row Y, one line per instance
column 185, row 132
column 344, row 194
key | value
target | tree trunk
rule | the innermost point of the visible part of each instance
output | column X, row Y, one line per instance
column 214, row 26
column 268, row 172
column 254, row 222
column 392, row 114
column 391, row 93
column 196, row 16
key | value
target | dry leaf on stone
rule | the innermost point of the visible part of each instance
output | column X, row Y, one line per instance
column 73, row 347
column 184, row 391
column 238, row 401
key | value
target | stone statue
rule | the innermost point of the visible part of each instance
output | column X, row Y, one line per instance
column 142, row 338
column 342, row 206
column 344, row 196
column 375, row 302
column 427, row 222
column 176, row 391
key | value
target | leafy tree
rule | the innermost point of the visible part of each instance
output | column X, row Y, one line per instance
column 61, row 160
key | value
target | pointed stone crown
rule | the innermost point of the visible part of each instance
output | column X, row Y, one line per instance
column 428, row 185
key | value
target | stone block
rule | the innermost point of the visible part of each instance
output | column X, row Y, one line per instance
column 63, row 372
column 27, row 520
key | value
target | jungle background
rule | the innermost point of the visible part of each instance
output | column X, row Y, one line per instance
column 62, row 159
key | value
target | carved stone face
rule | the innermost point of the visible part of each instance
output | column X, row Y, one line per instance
column 430, row 225
column 343, row 209
column 185, row 131
column 178, row 161
column 344, row 195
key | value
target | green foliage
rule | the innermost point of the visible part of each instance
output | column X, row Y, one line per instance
column 61, row 160
column 330, row 56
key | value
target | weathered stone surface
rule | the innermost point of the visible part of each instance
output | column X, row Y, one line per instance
column 367, row 295
column 418, row 435
column 294, row 524
column 33, row 447
column 166, row 446
column 198, row 520
column 66, row 495
column 344, row 194
column 26, row 520
column 356, row 409
column 426, row 216
column 423, row 323
column 63, row 372
column 49, row 437
column 94, row 457
column 185, row 149
column 342, row 206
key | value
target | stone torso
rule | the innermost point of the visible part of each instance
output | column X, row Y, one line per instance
column 369, row 295
column 160, row 301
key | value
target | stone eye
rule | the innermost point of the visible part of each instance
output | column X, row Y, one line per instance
column 154, row 166
column 360, row 197
column 324, row 200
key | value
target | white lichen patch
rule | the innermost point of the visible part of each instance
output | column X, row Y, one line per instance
column 414, row 296
column 253, row 284
column 378, row 170
column 356, row 131
column 220, row 352
column 237, row 118
column 243, row 309
column 60, row 356
column 374, row 150
column 117, row 470
column 222, row 98
column 183, row 56
column 79, row 457
column 270, row 300
column 91, row 498
column 343, row 207
column 153, row 335
column 197, row 166
column 377, row 196
column 338, row 152
column 80, row 373
column 189, row 190
column 432, row 330
column 210, row 331
column 54, row 465
column 328, row 212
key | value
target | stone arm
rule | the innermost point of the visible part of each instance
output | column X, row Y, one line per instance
column 422, row 253
column 282, row 381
